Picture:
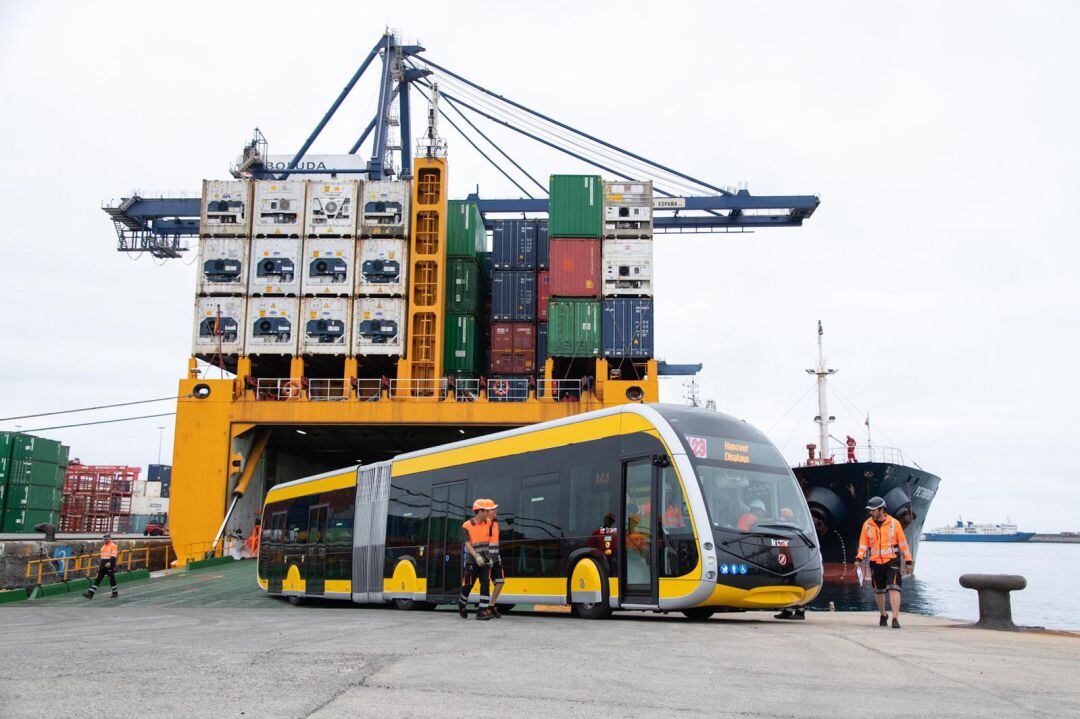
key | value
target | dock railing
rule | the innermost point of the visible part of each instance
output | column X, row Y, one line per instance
column 871, row 453
column 52, row 570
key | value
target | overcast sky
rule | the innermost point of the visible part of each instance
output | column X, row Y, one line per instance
column 941, row 137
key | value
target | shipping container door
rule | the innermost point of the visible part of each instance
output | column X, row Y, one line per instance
column 315, row 561
column 448, row 513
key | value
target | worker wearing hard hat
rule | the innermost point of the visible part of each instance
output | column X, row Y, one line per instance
column 474, row 537
column 748, row 520
column 107, row 567
column 498, row 576
column 882, row 539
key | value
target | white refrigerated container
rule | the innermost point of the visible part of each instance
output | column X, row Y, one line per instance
column 219, row 326
column 324, row 325
column 272, row 325
column 328, row 266
column 384, row 208
column 222, row 267
column 278, row 208
column 331, row 208
column 381, row 266
column 226, row 208
column 628, row 209
column 378, row 326
column 275, row 266
column 628, row 268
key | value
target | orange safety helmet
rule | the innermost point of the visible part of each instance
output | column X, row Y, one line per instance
column 478, row 504
column 489, row 504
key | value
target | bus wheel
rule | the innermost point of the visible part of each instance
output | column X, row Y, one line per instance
column 698, row 614
column 407, row 605
column 592, row 610
column 296, row 601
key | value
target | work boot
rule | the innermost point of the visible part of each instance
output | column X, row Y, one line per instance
column 88, row 594
column 799, row 615
column 115, row 594
column 495, row 612
column 463, row 611
column 883, row 621
column 785, row 614
column 484, row 614
column 895, row 623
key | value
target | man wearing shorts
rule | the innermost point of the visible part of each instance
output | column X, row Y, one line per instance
column 883, row 540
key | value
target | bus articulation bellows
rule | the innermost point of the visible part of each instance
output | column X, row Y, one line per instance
column 638, row 507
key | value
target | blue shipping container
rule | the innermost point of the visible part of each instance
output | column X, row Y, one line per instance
column 627, row 325
column 541, row 347
column 543, row 245
column 513, row 296
column 159, row 473
column 514, row 245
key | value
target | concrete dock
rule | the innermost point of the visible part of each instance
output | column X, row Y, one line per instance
column 208, row 644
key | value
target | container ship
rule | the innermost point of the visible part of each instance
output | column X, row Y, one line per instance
column 970, row 532
column 838, row 485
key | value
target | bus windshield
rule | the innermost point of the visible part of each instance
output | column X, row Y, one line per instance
column 745, row 500
column 747, row 485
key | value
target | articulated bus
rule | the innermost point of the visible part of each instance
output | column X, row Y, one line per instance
column 640, row 507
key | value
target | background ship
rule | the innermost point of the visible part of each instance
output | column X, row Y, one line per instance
column 969, row 532
column 838, row 484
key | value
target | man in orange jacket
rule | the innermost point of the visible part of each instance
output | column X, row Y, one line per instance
column 883, row 539
column 109, row 552
column 474, row 538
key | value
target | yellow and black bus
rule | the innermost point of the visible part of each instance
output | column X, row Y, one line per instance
column 639, row 507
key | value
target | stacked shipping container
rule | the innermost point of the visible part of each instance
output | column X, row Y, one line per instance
column 310, row 268
column 466, row 243
column 31, row 480
column 627, row 321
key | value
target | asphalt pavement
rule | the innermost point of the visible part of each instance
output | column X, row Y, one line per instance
column 209, row 644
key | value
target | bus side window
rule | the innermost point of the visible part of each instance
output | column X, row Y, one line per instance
column 591, row 498
column 540, row 526
column 679, row 548
column 408, row 516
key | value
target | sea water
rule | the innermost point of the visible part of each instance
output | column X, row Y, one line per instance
column 1050, row 599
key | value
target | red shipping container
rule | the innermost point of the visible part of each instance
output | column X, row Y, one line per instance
column 575, row 267
column 543, row 294
column 513, row 348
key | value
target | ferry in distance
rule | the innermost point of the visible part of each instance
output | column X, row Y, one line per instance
column 970, row 532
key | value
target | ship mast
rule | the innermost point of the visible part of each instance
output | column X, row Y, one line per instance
column 823, row 419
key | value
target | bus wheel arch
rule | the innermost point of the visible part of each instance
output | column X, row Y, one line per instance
column 593, row 602
column 404, row 580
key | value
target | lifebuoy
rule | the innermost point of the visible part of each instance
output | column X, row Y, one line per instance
column 500, row 387
column 290, row 389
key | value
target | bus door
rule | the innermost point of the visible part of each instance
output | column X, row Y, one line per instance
column 315, row 558
column 275, row 573
column 638, row 580
column 448, row 512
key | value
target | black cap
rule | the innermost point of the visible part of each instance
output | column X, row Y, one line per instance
column 876, row 503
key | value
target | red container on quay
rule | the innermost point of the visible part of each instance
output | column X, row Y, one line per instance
column 513, row 348
column 575, row 267
column 543, row 294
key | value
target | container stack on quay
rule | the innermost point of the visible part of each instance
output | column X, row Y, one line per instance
column 466, row 243
column 150, row 498
column 98, row 498
column 310, row 268
column 627, row 281
column 31, row 481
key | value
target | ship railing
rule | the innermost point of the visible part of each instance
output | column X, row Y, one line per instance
column 328, row 390
column 53, row 570
column 466, row 390
column 235, row 547
column 871, row 453
column 560, row 390
column 511, row 389
column 277, row 389
column 369, row 389
column 432, row 390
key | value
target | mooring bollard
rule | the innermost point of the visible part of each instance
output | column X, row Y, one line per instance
column 995, row 607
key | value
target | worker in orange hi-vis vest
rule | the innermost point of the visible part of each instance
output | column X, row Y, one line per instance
column 882, row 539
column 498, row 576
column 474, row 537
column 109, row 552
column 252, row 544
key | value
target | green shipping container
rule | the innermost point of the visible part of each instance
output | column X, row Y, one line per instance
column 42, row 474
column 24, row 520
column 29, row 496
column 461, row 344
column 40, row 449
column 6, row 440
column 462, row 281
column 576, row 207
column 465, row 233
column 573, row 327
column 5, row 464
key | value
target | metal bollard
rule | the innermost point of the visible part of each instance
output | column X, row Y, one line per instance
column 995, row 606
